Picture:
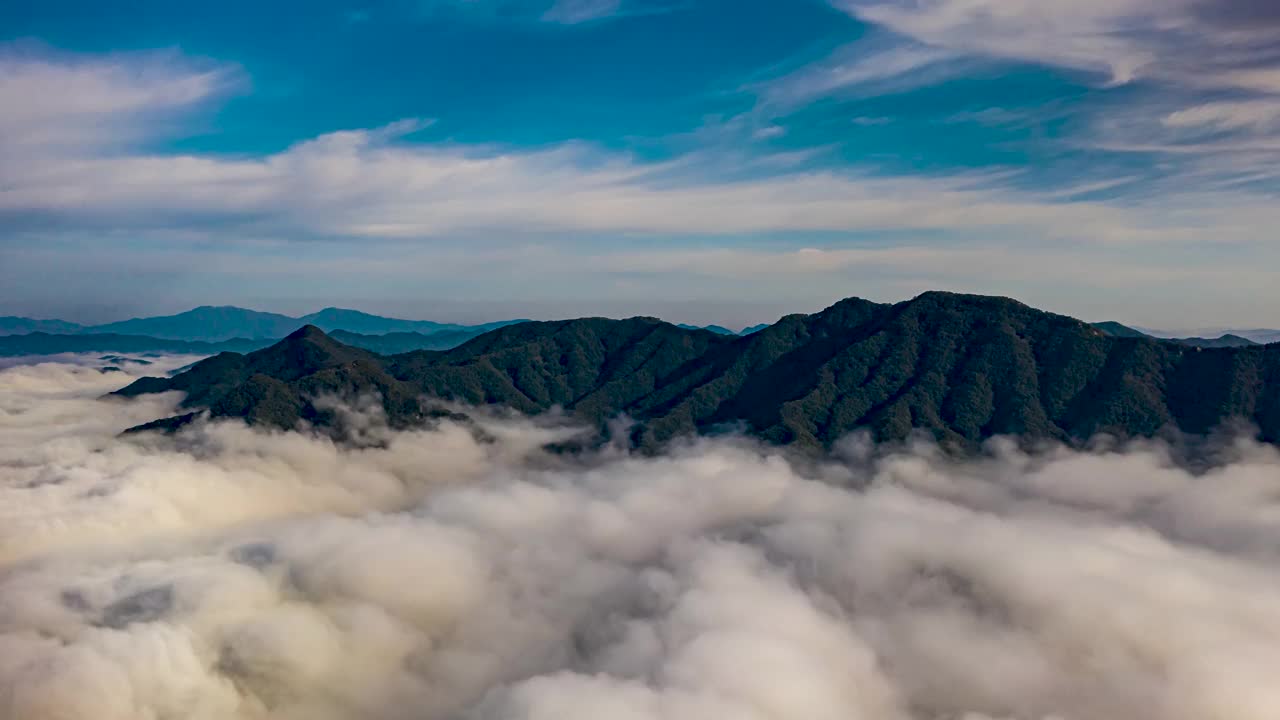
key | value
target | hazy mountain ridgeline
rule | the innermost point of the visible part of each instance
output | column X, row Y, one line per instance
column 209, row 330
column 354, row 321
column 960, row 367
column 1218, row 342
column 42, row 343
column 12, row 325
column 239, row 330
column 214, row 325
column 1261, row 336
column 220, row 324
column 205, row 324
column 1115, row 329
column 717, row 329
column 51, row 344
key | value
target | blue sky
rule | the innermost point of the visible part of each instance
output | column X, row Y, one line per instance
column 701, row 160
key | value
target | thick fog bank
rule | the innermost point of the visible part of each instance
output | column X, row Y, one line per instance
column 232, row 574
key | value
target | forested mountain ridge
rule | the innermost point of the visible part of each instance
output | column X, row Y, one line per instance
column 962, row 368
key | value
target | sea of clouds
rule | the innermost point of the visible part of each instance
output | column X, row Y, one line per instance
column 446, row 574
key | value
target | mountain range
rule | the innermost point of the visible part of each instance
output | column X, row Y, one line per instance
column 961, row 368
column 1226, row 340
column 11, row 325
column 717, row 329
column 40, row 343
column 217, row 324
column 239, row 330
column 1261, row 336
column 43, row 343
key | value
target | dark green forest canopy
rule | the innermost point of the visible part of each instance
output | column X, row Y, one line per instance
column 962, row 368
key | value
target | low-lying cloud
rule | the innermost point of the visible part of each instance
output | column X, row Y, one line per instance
column 230, row 573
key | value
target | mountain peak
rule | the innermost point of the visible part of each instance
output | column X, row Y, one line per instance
column 219, row 310
column 307, row 332
column 337, row 312
column 946, row 298
column 1115, row 329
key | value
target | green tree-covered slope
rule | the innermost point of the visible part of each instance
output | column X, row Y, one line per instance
column 962, row 368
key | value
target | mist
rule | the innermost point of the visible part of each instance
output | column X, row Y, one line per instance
column 225, row 573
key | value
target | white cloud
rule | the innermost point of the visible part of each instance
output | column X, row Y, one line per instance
column 769, row 132
column 389, row 205
column 1254, row 115
column 53, row 102
column 572, row 12
column 373, row 183
column 1205, row 67
column 238, row 575
column 860, row 70
column 1168, row 40
column 1075, row 34
column 367, row 184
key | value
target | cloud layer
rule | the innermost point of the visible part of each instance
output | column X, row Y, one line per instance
column 1209, row 43
column 1206, row 72
column 66, row 163
column 372, row 183
column 93, row 193
column 233, row 574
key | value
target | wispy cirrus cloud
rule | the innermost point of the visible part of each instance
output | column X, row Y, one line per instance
column 55, row 101
column 558, row 12
column 1183, row 41
column 1190, row 88
column 572, row 12
column 859, row 69
column 1256, row 115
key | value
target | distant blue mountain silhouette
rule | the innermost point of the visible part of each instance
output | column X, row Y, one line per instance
column 220, row 323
